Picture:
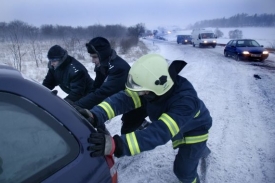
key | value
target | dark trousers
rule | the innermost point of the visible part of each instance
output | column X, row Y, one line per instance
column 132, row 120
column 187, row 160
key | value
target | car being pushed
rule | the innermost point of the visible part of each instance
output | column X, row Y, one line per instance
column 245, row 49
column 43, row 138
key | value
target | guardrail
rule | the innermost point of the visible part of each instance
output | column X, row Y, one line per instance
column 271, row 50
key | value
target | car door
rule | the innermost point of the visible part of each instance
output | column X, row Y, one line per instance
column 232, row 48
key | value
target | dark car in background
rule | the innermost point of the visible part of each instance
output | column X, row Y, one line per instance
column 160, row 38
column 184, row 39
column 43, row 138
column 245, row 49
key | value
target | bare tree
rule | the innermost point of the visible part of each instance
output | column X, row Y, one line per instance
column 35, row 45
column 16, row 31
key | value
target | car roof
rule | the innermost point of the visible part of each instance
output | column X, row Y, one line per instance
column 243, row 39
column 6, row 70
column 12, row 81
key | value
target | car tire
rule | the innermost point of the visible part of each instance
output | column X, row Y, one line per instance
column 225, row 54
column 237, row 57
column 194, row 45
column 214, row 46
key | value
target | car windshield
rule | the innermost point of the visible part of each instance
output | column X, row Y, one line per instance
column 207, row 35
column 247, row 43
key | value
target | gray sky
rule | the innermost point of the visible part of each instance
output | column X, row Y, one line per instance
column 153, row 13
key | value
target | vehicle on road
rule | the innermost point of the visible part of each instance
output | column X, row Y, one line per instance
column 184, row 39
column 160, row 38
column 245, row 49
column 43, row 138
column 203, row 38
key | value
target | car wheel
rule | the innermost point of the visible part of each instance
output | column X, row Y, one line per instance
column 194, row 45
column 225, row 54
column 237, row 57
column 214, row 46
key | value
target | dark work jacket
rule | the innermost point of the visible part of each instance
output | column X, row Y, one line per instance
column 72, row 77
column 186, row 114
column 109, row 80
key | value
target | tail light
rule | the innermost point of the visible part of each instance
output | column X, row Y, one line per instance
column 113, row 169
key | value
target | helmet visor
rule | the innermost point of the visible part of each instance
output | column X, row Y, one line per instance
column 130, row 84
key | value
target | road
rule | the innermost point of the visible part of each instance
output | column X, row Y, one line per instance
column 241, row 99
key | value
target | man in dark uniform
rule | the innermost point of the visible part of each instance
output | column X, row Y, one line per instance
column 111, row 74
column 67, row 73
column 172, row 105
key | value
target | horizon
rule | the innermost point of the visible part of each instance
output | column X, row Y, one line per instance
column 153, row 14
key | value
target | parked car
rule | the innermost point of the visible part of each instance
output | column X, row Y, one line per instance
column 43, row 138
column 245, row 49
column 184, row 39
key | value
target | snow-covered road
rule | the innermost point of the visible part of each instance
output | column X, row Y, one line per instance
column 242, row 138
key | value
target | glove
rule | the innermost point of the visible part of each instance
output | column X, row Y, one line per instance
column 86, row 114
column 54, row 92
column 103, row 144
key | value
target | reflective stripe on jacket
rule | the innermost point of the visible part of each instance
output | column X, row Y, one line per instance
column 179, row 116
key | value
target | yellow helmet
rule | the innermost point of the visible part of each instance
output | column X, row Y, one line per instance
column 150, row 73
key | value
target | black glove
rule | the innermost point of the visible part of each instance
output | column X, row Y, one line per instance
column 54, row 92
column 103, row 144
column 86, row 114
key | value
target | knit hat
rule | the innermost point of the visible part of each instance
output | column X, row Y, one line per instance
column 56, row 52
column 101, row 47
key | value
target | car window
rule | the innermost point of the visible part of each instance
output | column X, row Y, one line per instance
column 233, row 43
column 241, row 43
column 33, row 144
column 229, row 43
column 255, row 43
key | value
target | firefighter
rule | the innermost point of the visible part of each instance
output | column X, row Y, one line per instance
column 172, row 105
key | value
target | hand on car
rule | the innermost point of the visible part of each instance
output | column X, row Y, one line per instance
column 86, row 114
column 102, row 144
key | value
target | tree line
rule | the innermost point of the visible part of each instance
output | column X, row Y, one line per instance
column 19, row 35
column 239, row 20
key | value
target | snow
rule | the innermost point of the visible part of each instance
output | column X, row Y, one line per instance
column 242, row 136
column 243, row 111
